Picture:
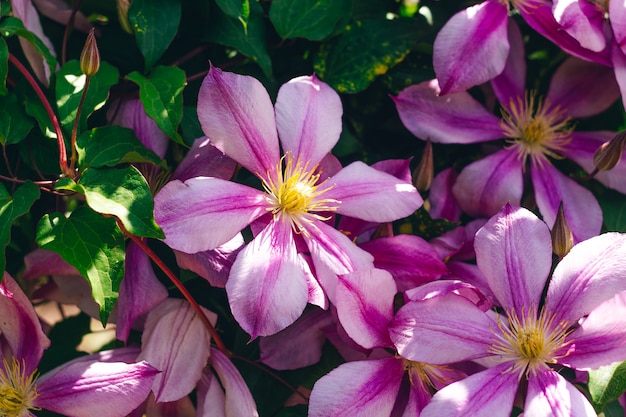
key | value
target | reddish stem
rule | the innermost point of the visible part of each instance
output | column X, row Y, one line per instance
column 76, row 122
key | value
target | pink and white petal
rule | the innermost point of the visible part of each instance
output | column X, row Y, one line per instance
column 442, row 330
column 176, row 342
column 61, row 12
column 140, row 290
column 618, row 59
column 236, row 114
column 582, row 211
column 453, row 118
column 601, row 93
column 81, row 387
column 399, row 168
column 213, row 265
column 308, row 118
column 591, row 273
column 514, row 252
column 369, row 194
column 204, row 160
column 361, row 388
column 364, row 302
column 267, row 289
column 211, row 397
column 42, row 262
column 511, row 82
column 21, row 334
column 317, row 297
column 472, row 47
column 484, row 186
column 442, row 202
column 298, row 345
column 489, row 393
column 418, row 399
column 204, row 213
column 445, row 287
column 617, row 14
column 549, row 394
column 471, row 274
column 238, row 399
column 601, row 338
column 574, row 21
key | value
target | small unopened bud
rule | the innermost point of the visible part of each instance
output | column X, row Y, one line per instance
column 90, row 57
column 122, row 15
column 425, row 171
column 610, row 153
column 562, row 238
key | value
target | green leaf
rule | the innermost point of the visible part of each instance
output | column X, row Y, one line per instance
column 14, row 123
column 237, row 9
column 250, row 42
column 5, row 8
column 351, row 62
column 125, row 194
column 161, row 96
column 94, row 245
column 4, row 66
column 607, row 383
column 613, row 211
column 310, row 19
column 10, row 209
column 155, row 23
column 110, row 146
column 14, row 26
column 69, row 89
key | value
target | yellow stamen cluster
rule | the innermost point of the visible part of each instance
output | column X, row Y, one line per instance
column 536, row 129
column 530, row 342
column 295, row 193
column 17, row 390
column 428, row 377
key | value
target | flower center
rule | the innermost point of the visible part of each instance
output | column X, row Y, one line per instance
column 530, row 342
column 17, row 390
column 536, row 129
column 295, row 194
column 426, row 376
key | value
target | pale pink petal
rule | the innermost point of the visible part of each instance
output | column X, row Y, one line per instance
column 176, row 342
column 489, row 393
column 573, row 20
column 59, row 11
column 418, row 399
column 442, row 330
column 512, row 81
column 445, row 287
column 237, row 115
column 362, row 388
column 470, row 274
column 514, row 252
column 453, row 118
column 238, row 399
column 204, row 213
column 211, row 397
column 617, row 14
column 369, row 194
column 484, row 186
column 582, row 211
column 549, row 394
column 42, row 262
column 399, row 168
column 601, row 338
column 600, row 93
column 298, row 345
column 618, row 60
column 204, row 160
column 472, row 46
column 308, row 118
column 267, row 289
column 91, row 386
column 592, row 272
column 442, row 202
column 19, row 326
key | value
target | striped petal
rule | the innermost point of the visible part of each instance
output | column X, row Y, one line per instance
column 549, row 394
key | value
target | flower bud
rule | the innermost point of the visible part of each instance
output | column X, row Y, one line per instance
column 425, row 171
column 562, row 238
column 122, row 15
column 90, row 57
column 610, row 153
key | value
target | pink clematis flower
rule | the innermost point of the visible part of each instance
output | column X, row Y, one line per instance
column 268, row 286
column 77, row 388
column 580, row 323
column 536, row 130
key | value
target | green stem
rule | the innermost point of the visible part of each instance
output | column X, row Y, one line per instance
column 76, row 121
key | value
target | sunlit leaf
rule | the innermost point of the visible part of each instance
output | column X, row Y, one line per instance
column 310, row 19
column 607, row 384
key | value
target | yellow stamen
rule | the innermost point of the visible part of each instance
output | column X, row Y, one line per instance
column 428, row 377
column 17, row 390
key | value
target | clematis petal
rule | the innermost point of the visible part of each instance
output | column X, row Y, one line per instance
column 442, row 202
column 238, row 399
column 267, row 289
column 573, row 20
column 601, row 93
column 617, row 14
column 484, row 186
column 361, row 388
column 582, row 211
column 211, row 397
column 61, row 12
column 237, row 115
column 601, row 338
column 308, row 118
column 514, row 252
column 369, row 194
column 441, row 330
column 204, row 160
column 618, row 60
column 489, row 393
column 592, row 272
column 204, row 213
column 91, row 385
column 453, row 118
column 550, row 394
column 472, row 47
column 176, row 342
column 42, row 262
column 19, row 327
column 444, row 287
column 511, row 82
